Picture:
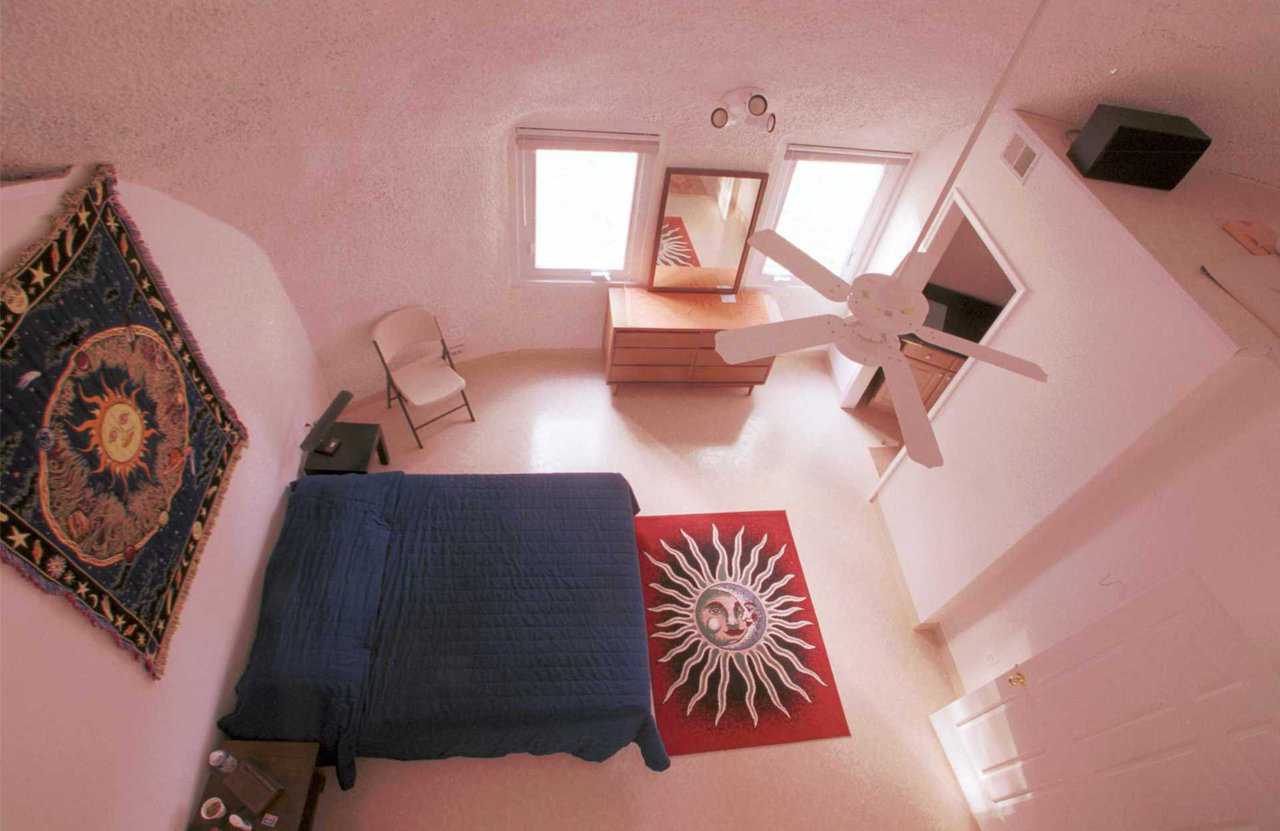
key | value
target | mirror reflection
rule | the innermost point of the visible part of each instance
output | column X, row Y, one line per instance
column 705, row 220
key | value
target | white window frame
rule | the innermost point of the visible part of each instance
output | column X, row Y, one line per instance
column 530, row 139
column 898, row 166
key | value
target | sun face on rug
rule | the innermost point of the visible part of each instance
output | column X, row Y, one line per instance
column 675, row 248
column 729, row 618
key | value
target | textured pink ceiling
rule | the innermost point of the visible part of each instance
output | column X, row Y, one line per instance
column 366, row 148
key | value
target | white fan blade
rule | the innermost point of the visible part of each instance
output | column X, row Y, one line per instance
column 983, row 353
column 917, row 432
column 751, row 343
column 806, row 268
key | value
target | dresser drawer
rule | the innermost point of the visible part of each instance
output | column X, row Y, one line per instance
column 664, row 340
column 931, row 356
column 626, row 374
column 710, row 357
column 655, row 357
column 730, row 374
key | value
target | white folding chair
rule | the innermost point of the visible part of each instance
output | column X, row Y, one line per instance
column 426, row 380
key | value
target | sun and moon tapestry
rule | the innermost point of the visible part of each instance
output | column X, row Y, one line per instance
column 116, row 442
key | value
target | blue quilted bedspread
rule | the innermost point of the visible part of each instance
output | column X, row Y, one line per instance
column 419, row 617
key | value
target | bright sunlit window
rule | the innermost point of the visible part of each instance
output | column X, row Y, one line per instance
column 580, row 204
column 583, row 209
column 835, row 204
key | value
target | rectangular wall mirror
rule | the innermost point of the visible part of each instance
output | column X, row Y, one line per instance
column 704, row 219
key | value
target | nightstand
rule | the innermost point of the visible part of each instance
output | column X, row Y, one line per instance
column 359, row 441
column 292, row 764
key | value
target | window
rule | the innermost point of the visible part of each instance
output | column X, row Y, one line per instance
column 580, row 204
column 835, row 203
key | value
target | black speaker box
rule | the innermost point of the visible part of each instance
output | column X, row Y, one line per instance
column 1136, row 147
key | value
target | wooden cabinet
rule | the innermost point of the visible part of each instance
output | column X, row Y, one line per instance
column 933, row 369
column 652, row 337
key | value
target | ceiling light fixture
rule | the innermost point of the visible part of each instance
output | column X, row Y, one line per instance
column 744, row 106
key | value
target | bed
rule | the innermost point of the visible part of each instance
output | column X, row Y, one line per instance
column 422, row 617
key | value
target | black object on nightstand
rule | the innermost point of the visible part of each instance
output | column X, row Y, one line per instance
column 356, row 445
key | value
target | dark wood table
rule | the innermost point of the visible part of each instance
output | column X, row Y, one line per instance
column 359, row 441
column 292, row 764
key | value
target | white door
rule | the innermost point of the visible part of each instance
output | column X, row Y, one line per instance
column 1160, row 717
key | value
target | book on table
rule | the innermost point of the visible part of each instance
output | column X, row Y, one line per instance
column 253, row 786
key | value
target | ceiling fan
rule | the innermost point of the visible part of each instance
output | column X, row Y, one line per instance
column 882, row 309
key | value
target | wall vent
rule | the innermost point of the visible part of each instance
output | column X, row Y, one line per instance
column 1019, row 157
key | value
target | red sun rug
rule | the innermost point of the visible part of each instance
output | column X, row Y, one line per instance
column 735, row 652
column 675, row 247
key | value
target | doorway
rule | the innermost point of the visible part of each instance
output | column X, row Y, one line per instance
column 970, row 289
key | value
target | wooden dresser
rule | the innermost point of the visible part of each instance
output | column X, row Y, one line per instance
column 932, row 367
column 655, row 337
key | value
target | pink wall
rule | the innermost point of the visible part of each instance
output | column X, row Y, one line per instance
column 928, row 174
column 968, row 267
column 1198, row 491
column 1182, row 228
column 89, row 739
column 1122, row 344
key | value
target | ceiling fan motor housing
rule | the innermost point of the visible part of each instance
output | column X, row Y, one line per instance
column 882, row 304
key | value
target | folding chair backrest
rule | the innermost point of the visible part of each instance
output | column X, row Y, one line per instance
column 403, row 328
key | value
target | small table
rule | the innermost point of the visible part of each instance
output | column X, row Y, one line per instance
column 354, row 455
column 292, row 764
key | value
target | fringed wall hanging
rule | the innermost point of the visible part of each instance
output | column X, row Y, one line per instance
column 116, row 443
